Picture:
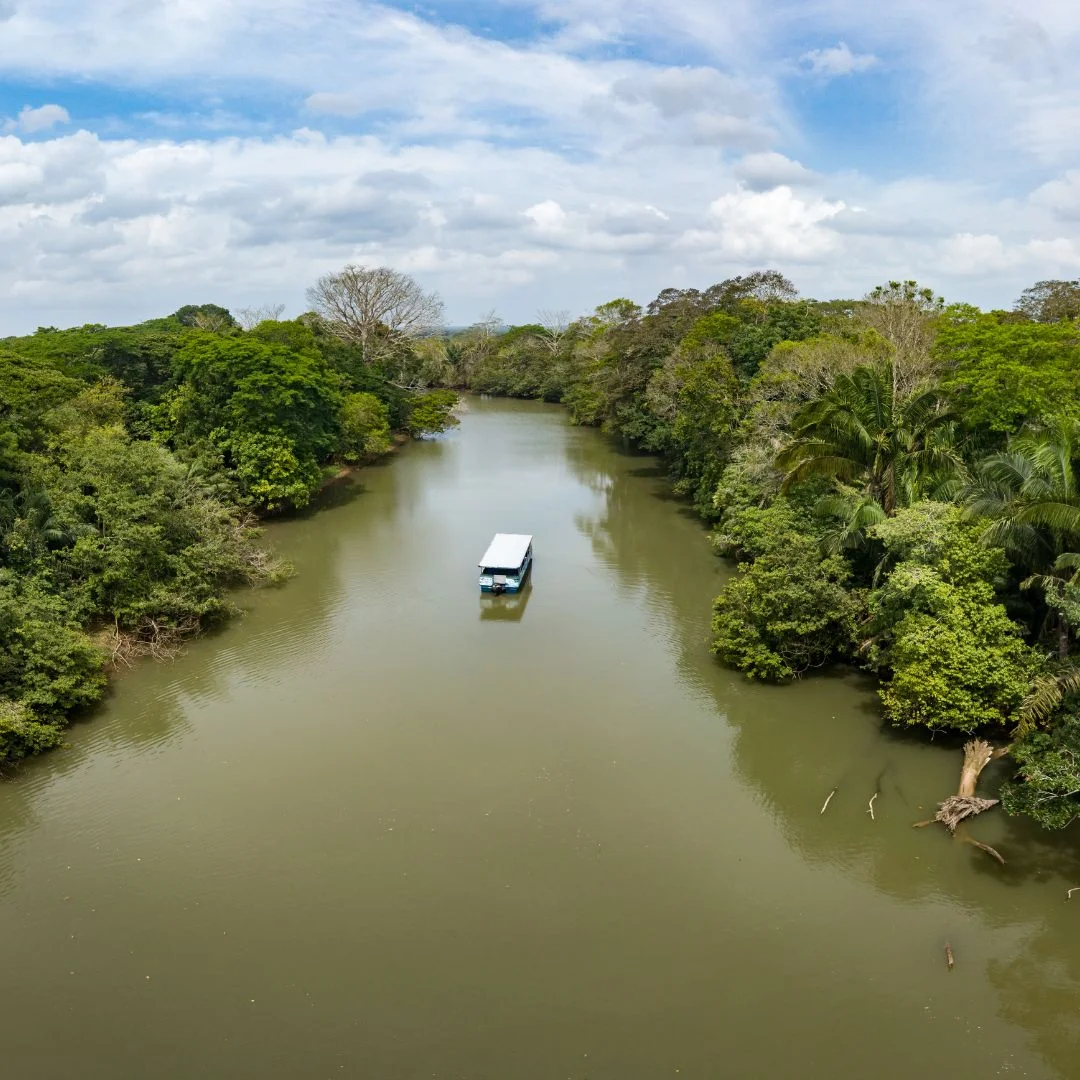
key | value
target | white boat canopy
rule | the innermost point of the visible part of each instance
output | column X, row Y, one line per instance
column 506, row 551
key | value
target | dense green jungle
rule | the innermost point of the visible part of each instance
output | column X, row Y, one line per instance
column 894, row 478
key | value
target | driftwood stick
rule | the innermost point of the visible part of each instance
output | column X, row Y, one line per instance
column 950, row 960
column 1068, row 895
column 870, row 811
column 825, row 805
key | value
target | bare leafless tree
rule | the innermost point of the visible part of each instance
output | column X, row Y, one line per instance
column 487, row 327
column 212, row 321
column 906, row 315
column 250, row 317
column 365, row 305
column 554, row 327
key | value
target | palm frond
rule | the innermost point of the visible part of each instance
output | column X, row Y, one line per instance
column 1046, row 694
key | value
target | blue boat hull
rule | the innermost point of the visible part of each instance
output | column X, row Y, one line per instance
column 513, row 584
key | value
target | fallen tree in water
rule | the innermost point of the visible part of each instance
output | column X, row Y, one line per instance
column 965, row 804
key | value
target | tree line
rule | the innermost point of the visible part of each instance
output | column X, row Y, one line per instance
column 135, row 463
column 895, row 478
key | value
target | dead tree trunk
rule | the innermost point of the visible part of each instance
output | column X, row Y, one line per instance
column 978, row 753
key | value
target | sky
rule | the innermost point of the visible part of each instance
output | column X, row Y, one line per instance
column 527, row 155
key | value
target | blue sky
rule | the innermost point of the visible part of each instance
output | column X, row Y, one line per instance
column 528, row 154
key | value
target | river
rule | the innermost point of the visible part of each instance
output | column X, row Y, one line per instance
column 375, row 828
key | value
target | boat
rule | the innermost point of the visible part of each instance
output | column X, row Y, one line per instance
column 506, row 563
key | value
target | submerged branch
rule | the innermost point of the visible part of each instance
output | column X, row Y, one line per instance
column 992, row 852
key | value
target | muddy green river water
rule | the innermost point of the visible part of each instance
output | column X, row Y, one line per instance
column 378, row 828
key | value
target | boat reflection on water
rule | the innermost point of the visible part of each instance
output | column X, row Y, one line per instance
column 505, row 607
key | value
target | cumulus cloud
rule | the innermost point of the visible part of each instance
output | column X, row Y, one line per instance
column 42, row 118
column 760, row 172
column 837, row 61
column 770, row 226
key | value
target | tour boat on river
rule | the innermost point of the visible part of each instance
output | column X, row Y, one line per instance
column 506, row 563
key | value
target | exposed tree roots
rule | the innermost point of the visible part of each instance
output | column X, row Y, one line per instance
column 150, row 638
column 957, row 808
column 965, row 804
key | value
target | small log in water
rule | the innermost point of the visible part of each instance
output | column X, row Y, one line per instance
column 949, row 958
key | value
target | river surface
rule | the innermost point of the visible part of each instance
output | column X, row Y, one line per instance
column 379, row 828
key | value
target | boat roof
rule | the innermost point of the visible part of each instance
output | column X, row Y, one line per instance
column 506, row 550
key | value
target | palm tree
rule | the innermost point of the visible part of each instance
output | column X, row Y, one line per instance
column 1030, row 495
column 852, row 515
column 860, row 433
column 29, row 515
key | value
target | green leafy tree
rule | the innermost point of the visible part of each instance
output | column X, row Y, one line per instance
column 950, row 653
column 432, row 413
column 271, row 410
column 22, row 734
column 1050, row 301
column 29, row 387
column 1004, row 375
column 48, row 665
column 694, row 397
column 1047, row 783
column 788, row 609
column 956, row 658
column 365, row 428
column 763, row 329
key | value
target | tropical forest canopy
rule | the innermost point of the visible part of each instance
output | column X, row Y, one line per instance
column 894, row 477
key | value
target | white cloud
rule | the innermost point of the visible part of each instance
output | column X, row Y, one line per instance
column 334, row 104
column 1061, row 196
column 838, row 60
column 966, row 253
column 18, row 179
column 42, row 118
column 770, row 226
column 763, row 171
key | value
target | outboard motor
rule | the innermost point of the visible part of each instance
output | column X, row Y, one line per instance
column 498, row 583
